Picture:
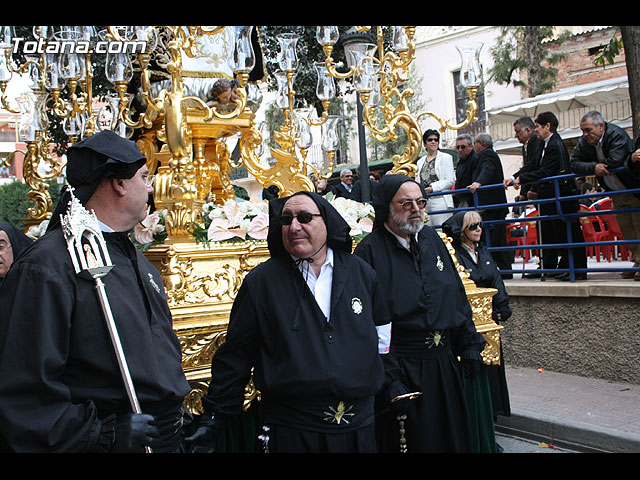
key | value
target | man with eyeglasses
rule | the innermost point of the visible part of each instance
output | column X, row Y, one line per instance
column 312, row 324
column 432, row 324
column 60, row 379
column 464, row 170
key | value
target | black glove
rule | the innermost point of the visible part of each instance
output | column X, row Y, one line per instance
column 134, row 431
column 471, row 367
column 206, row 436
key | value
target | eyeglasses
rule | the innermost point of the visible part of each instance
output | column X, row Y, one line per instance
column 4, row 247
column 148, row 179
column 303, row 217
column 475, row 226
column 420, row 202
column 432, row 139
column 462, row 147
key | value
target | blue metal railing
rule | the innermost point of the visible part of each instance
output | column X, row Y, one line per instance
column 567, row 218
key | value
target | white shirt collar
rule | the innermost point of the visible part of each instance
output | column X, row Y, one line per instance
column 320, row 286
column 104, row 227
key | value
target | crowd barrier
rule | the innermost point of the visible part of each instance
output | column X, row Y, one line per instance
column 601, row 245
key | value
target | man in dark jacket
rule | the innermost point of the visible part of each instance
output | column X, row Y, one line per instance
column 489, row 171
column 464, row 170
column 308, row 322
column 344, row 188
column 554, row 160
column 525, row 132
column 603, row 147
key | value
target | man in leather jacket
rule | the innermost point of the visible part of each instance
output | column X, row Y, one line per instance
column 603, row 147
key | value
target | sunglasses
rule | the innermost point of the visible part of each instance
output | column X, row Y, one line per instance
column 461, row 147
column 432, row 139
column 421, row 203
column 475, row 226
column 303, row 217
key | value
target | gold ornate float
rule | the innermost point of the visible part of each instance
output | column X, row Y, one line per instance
column 184, row 140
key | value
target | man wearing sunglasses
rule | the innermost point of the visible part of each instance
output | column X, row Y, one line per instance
column 345, row 187
column 308, row 322
column 464, row 170
column 432, row 324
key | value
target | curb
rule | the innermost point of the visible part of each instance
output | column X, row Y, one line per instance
column 577, row 436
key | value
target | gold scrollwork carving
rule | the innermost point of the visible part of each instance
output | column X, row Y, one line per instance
column 198, row 348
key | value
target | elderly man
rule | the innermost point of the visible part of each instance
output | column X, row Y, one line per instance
column 603, row 147
column 489, row 172
column 62, row 389
column 345, row 187
column 306, row 322
column 12, row 243
column 431, row 320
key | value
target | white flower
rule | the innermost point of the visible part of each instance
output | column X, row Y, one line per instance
column 215, row 212
column 143, row 232
column 259, row 227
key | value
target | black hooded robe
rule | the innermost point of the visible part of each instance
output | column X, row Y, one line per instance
column 432, row 325
column 61, row 387
column 18, row 240
column 491, row 395
column 59, row 378
column 485, row 274
column 317, row 378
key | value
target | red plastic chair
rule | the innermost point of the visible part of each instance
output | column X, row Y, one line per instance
column 518, row 240
column 614, row 229
column 592, row 235
column 531, row 237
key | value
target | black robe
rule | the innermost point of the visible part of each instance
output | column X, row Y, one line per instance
column 432, row 325
column 308, row 370
column 59, row 377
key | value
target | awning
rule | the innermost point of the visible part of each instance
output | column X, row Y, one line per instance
column 589, row 95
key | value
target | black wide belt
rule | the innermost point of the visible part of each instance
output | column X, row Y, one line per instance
column 423, row 343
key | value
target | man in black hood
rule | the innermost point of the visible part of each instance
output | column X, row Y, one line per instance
column 308, row 322
column 431, row 318
column 59, row 345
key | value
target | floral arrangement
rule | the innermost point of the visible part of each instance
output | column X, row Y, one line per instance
column 239, row 221
column 359, row 216
column 233, row 221
column 150, row 231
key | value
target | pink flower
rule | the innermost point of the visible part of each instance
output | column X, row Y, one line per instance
column 143, row 231
column 221, row 229
column 233, row 212
column 366, row 224
column 259, row 226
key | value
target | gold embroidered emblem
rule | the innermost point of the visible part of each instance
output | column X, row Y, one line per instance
column 434, row 339
column 338, row 415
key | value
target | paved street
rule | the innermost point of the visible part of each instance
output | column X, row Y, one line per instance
column 512, row 444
